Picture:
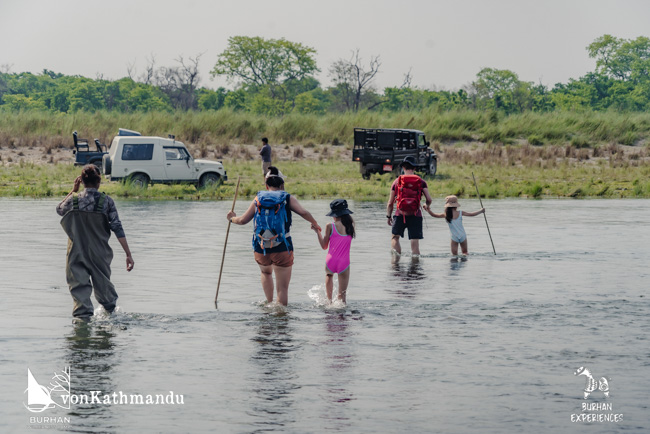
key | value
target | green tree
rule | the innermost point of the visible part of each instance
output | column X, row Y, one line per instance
column 276, row 64
column 210, row 99
column 314, row 102
column 146, row 98
column 236, row 100
column 21, row 102
column 621, row 59
column 86, row 96
column 495, row 88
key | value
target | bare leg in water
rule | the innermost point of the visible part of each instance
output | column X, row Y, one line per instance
column 282, row 279
column 344, row 279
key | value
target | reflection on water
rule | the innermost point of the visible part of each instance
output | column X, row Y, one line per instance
column 456, row 264
column 339, row 358
column 90, row 353
column 276, row 379
column 406, row 277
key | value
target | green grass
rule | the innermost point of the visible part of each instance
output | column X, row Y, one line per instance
column 558, row 154
column 584, row 129
column 331, row 179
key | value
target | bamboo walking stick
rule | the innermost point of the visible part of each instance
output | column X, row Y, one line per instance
column 486, row 223
column 226, row 242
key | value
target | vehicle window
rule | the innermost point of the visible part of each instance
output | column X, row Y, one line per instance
column 421, row 141
column 175, row 153
column 139, row 151
column 386, row 139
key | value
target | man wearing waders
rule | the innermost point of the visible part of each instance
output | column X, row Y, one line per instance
column 88, row 219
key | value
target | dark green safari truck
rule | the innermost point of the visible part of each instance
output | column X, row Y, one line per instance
column 381, row 150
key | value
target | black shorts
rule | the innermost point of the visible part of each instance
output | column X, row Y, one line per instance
column 413, row 223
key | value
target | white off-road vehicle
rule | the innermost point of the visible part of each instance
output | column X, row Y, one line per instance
column 148, row 160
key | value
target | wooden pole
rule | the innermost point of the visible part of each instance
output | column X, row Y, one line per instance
column 486, row 223
column 226, row 242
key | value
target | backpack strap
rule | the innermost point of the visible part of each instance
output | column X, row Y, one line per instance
column 75, row 202
column 99, row 205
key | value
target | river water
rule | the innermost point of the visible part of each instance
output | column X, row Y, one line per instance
column 487, row 344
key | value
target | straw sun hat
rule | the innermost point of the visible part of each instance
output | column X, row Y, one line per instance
column 451, row 202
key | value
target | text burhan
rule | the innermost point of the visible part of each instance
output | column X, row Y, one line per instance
column 597, row 417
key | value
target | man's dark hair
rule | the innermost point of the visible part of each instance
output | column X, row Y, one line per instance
column 274, row 180
column 90, row 175
column 265, row 140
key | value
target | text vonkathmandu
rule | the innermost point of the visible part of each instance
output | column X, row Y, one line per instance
column 120, row 398
column 597, row 417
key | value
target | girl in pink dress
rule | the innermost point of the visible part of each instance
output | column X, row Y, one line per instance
column 338, row 236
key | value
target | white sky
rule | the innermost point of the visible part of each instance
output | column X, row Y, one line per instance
column 445, row 43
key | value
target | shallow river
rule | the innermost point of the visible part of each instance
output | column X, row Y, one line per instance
column 488, row 345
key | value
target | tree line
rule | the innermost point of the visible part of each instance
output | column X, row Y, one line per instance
column 276, row 76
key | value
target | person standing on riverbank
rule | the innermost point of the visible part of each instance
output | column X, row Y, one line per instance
column 406, row 192
column 272, row 245
column 88, row 219
column 265, row 153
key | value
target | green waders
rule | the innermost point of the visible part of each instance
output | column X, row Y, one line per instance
column 89, row 257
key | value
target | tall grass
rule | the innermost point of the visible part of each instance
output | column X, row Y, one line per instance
column 32, row 128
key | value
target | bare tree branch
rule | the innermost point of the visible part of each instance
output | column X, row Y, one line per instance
column 406, row 83
column 131, row 70
column 353, row 79
column 150, row 70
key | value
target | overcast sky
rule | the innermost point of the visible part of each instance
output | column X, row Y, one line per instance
column 444, row 43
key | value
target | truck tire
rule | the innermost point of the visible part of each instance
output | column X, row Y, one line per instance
column 98, row 163
column 139, row 180
column 433, row 166
column 209, row 179
column 107, row 166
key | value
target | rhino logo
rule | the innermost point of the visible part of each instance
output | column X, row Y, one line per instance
column 592, row 385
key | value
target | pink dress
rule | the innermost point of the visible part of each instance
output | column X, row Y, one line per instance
column 338, row 256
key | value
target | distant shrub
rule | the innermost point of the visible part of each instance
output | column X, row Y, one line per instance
column 491, row 135
column 535, row 190
column 629, row 138
column 535, row 140
column 579, row 141
column 223, row 149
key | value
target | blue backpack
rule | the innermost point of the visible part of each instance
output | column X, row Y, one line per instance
column 270, row 219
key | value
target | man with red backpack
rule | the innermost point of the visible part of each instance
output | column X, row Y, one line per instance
column 406, row 193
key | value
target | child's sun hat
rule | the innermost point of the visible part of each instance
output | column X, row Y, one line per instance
column 339, row 207
column 451, row 202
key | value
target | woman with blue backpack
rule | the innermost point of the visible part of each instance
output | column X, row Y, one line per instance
column 273, row 249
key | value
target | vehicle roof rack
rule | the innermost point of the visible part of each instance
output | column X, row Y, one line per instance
column 125, row 132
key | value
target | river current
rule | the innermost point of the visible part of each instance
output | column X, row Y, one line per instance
column 486, row 344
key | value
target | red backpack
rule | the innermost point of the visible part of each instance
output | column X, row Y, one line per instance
column 409, row 191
